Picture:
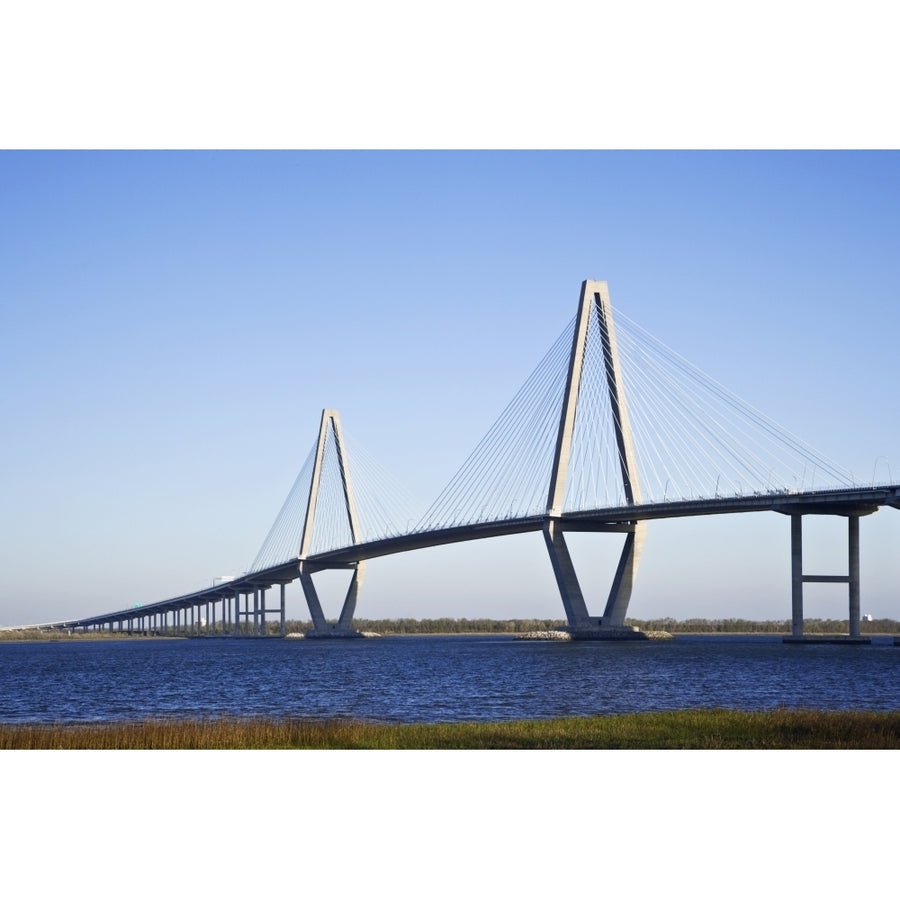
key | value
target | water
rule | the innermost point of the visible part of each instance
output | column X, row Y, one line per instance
column 430, row 679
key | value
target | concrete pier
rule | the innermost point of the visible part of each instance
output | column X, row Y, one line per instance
column 851, row 579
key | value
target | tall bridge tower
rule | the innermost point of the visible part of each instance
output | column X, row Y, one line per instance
column 594, row 302
column 330, row 425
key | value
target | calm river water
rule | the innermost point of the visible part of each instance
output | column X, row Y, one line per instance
column 419, row 679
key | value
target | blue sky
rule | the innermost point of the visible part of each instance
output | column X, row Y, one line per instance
column 172, row 324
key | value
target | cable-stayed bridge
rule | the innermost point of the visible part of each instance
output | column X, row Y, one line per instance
column 612, row 430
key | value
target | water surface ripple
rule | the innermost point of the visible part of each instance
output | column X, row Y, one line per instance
column 432, row 679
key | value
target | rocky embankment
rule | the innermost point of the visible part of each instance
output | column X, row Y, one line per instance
column 565, row 636
column 355, row 634
column 544, row 636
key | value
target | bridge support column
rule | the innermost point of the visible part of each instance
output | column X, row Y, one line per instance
column 312, row 600
column 566, row 579
column 853, row 568
column 282, row 608
column 796, row 576
column 344, row 625
column 348, row 610
column 623, row 583
column 610, row 626
column 851, row 579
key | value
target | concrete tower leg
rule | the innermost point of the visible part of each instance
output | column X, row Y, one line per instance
column 566, row 579
column 853, row 571
column 796, row 576
column 312, row 599
column 344, row 625
column 623, row 583
column 345, row 622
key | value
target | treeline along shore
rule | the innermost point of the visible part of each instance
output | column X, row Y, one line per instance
column 505, row 626
column 673, row 626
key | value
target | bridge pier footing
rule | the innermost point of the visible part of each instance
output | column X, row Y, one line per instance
column 608, row 633
column 333, row 631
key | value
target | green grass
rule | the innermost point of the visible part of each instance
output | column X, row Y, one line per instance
column 687, row 729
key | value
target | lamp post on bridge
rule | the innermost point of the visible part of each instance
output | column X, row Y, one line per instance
column 887, row 462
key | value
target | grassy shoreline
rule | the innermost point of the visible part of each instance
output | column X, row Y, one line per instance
column 704, row 729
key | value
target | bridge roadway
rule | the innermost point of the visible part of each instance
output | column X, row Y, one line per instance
column 846, row 501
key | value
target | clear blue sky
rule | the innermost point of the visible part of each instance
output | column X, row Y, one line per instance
column 172, row 324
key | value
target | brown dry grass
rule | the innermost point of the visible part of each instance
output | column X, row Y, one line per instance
column 686, row 729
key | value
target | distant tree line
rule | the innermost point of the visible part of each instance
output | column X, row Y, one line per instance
column 506, row 626
column 674, row 626
column 443, row 626
column 777, row 626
